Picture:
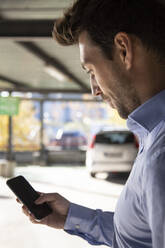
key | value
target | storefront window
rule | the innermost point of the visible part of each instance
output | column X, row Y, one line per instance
column 4, row 123
column 26, row 127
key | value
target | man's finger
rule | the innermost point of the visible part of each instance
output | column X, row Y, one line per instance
column 18, row 200
column 47, row 198
column 34, row 220
column 40, row 193
column 25, row 210
column 30, row 215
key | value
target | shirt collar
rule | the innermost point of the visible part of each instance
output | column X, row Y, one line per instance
column 148, row 115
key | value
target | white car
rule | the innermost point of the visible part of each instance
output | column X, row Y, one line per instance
column 111, row 151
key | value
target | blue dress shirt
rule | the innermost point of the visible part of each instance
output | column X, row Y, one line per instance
column 139, row 218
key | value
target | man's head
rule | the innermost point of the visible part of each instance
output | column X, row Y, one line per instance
column 116, row 39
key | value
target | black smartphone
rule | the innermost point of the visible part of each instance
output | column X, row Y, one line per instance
column 27, row 195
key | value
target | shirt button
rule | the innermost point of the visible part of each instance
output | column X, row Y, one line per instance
column 77, row 226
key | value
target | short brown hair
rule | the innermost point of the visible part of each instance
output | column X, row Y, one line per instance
column 103, row 19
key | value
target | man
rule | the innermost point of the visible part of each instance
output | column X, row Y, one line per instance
column 122, row 48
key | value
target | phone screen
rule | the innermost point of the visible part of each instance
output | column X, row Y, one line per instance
column 27, row 195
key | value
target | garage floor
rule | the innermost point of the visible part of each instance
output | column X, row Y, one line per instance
column 72, row 182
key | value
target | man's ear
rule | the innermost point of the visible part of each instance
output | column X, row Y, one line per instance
column 124, row 47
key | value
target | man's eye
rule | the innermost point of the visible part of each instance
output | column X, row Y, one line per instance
column 90, row 72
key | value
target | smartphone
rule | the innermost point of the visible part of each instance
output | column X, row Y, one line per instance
column 27, row 195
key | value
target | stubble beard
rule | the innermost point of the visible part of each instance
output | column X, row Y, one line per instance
column 124, row 110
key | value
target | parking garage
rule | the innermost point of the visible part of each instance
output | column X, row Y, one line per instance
column 47, row 121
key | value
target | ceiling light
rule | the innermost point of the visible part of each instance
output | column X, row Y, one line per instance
column 55, row 73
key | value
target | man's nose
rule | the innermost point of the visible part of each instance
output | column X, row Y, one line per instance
column 95, row 89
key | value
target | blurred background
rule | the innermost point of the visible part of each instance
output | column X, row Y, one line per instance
column 52, row 130
column 42, row 128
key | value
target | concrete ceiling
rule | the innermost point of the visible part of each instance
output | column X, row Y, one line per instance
column 27, row 49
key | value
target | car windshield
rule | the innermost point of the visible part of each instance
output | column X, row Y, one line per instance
column 115, row 138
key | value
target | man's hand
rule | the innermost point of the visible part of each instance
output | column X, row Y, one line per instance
column 58, row 204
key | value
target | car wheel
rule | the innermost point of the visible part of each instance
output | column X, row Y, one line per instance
column 93, row 174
